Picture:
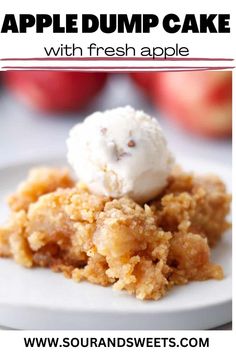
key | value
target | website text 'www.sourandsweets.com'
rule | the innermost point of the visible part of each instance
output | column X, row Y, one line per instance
column 115, row 342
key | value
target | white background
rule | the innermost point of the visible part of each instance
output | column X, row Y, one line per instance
column 200, row 45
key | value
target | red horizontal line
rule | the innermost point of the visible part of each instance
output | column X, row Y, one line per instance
column 116, row 59
column 117, row 67
column 118, row 71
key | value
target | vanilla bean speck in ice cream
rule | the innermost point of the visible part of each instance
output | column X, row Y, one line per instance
column 120, row 152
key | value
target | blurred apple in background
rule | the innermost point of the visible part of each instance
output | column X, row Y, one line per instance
column 55, row 91
column 199, row 101
column 144, row 80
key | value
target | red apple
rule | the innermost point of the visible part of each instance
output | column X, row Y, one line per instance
column 144, row 80
column 200, row 101
column 55, row 91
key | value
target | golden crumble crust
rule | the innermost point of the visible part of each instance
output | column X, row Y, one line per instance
column 40, row 181
column 143, row 249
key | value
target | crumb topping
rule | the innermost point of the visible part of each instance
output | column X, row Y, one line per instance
column 143, row 249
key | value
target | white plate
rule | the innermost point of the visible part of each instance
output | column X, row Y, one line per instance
column 41, row 299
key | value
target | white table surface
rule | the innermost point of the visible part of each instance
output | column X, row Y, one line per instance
column 25, row 134
column 226, row 327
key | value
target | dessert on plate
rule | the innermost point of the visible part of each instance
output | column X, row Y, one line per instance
column 130, row 218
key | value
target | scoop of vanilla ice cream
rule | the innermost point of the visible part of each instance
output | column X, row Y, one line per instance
column 120, row 152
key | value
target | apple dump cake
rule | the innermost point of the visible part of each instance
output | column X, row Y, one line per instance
column 115, row 225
